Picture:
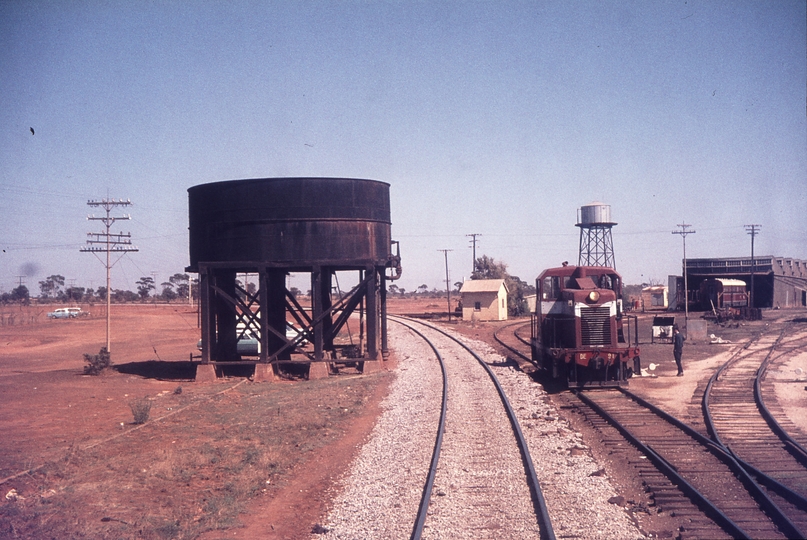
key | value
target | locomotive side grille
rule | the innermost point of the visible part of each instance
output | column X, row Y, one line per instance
column 595, row 325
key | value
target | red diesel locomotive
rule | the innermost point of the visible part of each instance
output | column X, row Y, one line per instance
column 579, row 329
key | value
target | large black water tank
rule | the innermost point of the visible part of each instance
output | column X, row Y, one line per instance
column 293, row 222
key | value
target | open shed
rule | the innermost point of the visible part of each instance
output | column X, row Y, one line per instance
column 654, row 298
column 484, row 300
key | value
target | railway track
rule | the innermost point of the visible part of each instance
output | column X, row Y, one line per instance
column 700, row 481
column 515, row 338
column 482, row 480
column 738, row 418
column 700, row 469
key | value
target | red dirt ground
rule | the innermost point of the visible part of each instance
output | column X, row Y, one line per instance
column 231, row 458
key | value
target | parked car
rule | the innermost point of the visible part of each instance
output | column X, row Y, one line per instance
column 248, row 344
column 67, row 313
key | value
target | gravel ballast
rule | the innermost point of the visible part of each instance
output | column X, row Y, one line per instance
column 379, row 495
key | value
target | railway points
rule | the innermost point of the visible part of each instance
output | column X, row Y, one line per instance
column 737, row 413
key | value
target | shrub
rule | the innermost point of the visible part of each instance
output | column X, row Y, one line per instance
column 140, row 410
column 97, row 363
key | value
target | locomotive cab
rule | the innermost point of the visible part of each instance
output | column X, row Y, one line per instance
column 578, row 327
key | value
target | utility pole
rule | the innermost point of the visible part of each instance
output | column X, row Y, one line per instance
column 448, row 282
column 684, row 232
column 473, row 242
column 753, row 230
column 107, row 242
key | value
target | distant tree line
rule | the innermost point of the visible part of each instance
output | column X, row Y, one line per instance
column 53, row 290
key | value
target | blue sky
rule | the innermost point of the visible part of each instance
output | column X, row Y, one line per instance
column 497, row 118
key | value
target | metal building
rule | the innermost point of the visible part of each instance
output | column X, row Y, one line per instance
column 596, row 243
column 272, row 227
column 779, row 282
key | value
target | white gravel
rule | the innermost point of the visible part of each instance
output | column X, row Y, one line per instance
column 379, row 495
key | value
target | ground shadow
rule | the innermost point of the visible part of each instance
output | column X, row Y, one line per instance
column 161, row 370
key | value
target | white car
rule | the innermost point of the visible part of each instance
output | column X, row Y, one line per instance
column 66, row 313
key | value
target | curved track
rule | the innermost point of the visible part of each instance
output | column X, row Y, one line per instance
column 472, row 474
column 704, row 472
column 510, row 337
column 737, row 417
column 702, row 469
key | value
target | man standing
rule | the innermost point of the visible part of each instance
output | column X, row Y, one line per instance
column 678, row 349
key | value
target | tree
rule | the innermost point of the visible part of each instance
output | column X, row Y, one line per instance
column 487, row 268
column 21, row 295
column 181, row 283
column 120, row 296
column 74, row 294
column 423, row 288
column 168, row 293
column 51, row 287
column 144, row 286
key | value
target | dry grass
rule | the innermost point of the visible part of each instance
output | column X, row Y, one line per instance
column 192, row 472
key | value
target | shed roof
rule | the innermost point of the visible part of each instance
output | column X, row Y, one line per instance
column 731, row 282
column 655, row 288
column 483, row 285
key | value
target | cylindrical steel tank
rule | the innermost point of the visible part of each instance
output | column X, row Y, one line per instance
column 595, row 213
column 291, row 222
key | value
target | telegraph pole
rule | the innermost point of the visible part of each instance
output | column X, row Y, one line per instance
column 473, row 242
column 448, row 282
column 684, row 232
column 107, row 242
column 753, row 230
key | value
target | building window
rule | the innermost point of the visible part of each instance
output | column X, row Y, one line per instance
column 477, row 306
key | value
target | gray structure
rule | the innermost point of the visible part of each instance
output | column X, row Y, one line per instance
column 596, row 243
column 274, row 226
column 779, row 282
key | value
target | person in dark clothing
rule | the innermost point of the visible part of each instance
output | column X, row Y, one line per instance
column 678, row 349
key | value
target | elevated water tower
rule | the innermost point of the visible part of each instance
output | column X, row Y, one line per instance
column 596, row 243
column 271, row 227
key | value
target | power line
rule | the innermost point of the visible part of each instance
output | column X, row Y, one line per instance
column 753, row 230
column 684, row 232
column 107, row 242
column 448, row 282
column 473, row 242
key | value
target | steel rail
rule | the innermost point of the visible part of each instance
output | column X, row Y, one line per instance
column 790, row 445
column 423, row 508
column 707, row 416
column 510, row 348
column 795, row 449
column 742, row 469
column 539, row 503
column 717, row 515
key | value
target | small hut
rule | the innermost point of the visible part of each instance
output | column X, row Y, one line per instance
column 484, row 300
column 654, row 298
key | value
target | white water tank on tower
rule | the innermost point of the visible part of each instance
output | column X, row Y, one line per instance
column 595, row 213
column 596, row 244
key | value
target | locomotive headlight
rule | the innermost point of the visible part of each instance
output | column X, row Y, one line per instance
column 593, row 296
